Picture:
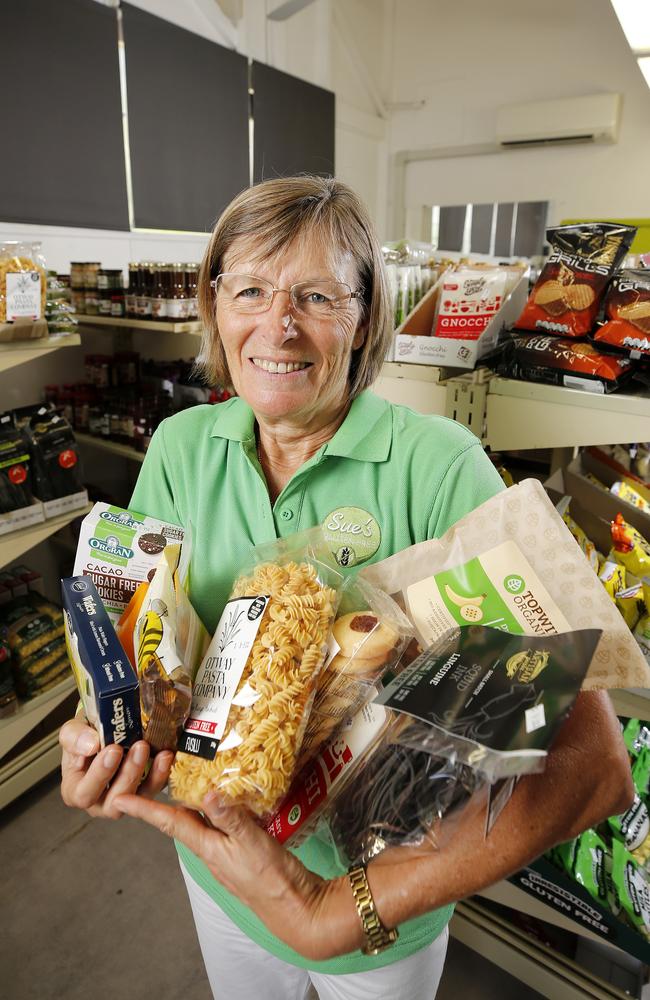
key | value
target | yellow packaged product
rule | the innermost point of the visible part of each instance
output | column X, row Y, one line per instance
column 630, row 603
column 583, row 541
column 255, row 687
column 642, row 635
column 612, row 577
column 624, row 491
column 630, row 547
column 22, row 283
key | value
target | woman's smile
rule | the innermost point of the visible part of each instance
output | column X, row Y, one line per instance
column 271, row 367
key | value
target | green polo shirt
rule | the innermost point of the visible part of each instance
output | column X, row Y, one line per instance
column 387, row 479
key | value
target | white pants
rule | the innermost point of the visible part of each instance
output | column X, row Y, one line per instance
column 238, row 969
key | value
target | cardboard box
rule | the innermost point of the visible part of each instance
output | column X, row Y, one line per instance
column 415, row 345
column 107, row 683
column 601, row 502
column 596, row 528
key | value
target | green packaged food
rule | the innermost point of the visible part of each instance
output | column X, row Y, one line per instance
column 589, row 865
column 636, row 735
column 633, row 889
column 564, row 855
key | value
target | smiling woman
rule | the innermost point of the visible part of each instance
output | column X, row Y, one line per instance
column 295, row 308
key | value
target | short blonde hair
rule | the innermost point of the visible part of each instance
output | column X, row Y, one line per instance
column 272, row 215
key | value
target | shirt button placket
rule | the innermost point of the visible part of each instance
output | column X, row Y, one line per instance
column 286, row 514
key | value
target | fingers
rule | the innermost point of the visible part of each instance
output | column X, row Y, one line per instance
column 174, row 821
column 77, row 737
column 158, row 775
column 128, row 778
column 234, row 821
column 84, row 785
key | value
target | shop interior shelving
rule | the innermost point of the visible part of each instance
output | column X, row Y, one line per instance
column 15, row 543
column 19, row 352
column 193, row 327
column 114, row 447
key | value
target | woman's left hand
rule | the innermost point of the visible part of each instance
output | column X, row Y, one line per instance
column 315, row 917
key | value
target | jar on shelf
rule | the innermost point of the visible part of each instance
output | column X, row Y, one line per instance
column 177, row 303
column 159, row 292
column 77, row 274
column 131, row 295
column 191, row 287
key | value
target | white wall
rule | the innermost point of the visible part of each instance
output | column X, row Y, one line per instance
column 469, row 58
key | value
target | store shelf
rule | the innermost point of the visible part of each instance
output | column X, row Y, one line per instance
column 15, row 352
column 123, row 450
column 523, row 415
column 193, row 327
column 30, row 767
column 633, row 703
column 421, row 387
column 30, row 713
column 16, row 543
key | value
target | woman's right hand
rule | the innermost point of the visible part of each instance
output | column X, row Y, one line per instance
column 91, row 779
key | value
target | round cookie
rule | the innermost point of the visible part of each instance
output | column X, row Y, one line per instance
column 362, row 634
column 152, row 543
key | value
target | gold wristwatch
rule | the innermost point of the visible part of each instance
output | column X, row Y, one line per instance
column 377, row 937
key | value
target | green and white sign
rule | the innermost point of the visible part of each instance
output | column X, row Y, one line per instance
column 353, row 535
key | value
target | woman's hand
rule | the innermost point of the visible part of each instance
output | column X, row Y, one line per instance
column 316, row 918
column 91, row 779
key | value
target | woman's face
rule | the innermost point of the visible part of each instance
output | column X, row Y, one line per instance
column 253, row 343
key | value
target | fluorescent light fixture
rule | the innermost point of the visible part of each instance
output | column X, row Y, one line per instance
column 644, row 66
column 634, row 16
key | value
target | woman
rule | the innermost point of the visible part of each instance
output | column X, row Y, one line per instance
column 294, row 303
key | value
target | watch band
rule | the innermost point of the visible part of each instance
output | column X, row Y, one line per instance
column 377, row 936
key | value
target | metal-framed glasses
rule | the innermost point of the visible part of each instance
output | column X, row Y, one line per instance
column 317, row 299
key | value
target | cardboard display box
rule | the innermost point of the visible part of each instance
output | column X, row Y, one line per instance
column 601, row 502
column 415, row 345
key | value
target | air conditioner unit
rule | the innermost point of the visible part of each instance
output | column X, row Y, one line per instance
column 568, row 120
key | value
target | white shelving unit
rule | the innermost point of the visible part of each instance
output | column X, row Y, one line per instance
column 15, row 543
column 193, row 327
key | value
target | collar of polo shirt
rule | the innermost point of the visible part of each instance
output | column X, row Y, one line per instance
column 365, row 434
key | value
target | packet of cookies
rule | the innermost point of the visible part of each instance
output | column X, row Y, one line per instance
column 368, row 638
column 567, row 295
column 169, row 641
column 256, row 684
column 512, row 564
column 119, row 549
column 627, row 313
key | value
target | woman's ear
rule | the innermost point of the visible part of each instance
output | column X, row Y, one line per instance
column 360, row 335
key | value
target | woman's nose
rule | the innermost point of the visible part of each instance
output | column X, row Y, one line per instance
column 281, row 317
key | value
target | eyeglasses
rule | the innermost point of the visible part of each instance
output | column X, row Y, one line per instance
column 317, row 299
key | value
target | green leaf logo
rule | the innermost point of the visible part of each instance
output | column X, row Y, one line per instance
column 514, row 584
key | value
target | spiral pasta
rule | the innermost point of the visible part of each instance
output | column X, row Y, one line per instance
column 277, row 686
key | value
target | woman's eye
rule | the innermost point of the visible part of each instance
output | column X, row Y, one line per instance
column 250, row 293
column 316, row 298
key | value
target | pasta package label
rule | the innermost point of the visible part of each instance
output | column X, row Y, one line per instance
column 24, row 295
column 218, row 678
column 498, row 588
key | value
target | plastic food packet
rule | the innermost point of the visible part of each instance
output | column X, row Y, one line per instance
column 491, row 568
column 254, row 689
column 624, row 491
column 612, row 577
column 478, row 707
column 22, row 283
column 326, row 774
column 169, row 641
column 642, row 636
column 15, row 475
column 627, row 311
column 569, row 363
column 590, row 865
column 563, row 856
column 470, row 298
column 56, row 470
column 630, row 547
column 631, row 604
column 368, row 638
column 567, row 295
column 633, row 889
column 126, row 625
column 636, row 735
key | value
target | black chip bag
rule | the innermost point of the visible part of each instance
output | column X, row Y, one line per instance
column 569, row 363
column 627, row 311
column 567, row 295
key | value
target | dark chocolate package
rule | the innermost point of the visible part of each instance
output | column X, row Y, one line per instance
column 627, row 314
column 53, row 450
column 569, row 363
column 15, row 475
column 568, row 293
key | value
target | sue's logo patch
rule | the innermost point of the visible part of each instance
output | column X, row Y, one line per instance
column 353, row 535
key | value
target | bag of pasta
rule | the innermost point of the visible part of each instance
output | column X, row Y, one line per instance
column 169, row 642
column 255, row 687
column 22, row 284
column 368, row 638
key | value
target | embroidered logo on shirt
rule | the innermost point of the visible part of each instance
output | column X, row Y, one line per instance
column 353, row 535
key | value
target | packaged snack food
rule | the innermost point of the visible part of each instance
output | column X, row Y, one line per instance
column 15, row 476
column 642, row 636
column 636, row 735
column 563, row 856
column 22, row 283
column 368, row 638
column 630, row 547
column 119, row 549
column 491, row 568
column 580, row 536
column 169, row 641
column 589, row 867
column 567, row 295
column 627, row 312
column 55, row 466
column 625, row 491
column 478, row 706
column 630, row 603
column 254, row 689
column 107, row 683
column 470, row 298
column 633, row 888
column 572, row 364
column 612, row 577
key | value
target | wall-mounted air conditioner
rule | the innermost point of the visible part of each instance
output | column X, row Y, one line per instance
column 571, row 119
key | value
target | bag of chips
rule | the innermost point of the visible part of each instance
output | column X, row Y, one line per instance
column 633, row 888
column 569, row 363
column 627, row 311
column 630, row 547
column 254, row 689
column 567, row 295
column 470, row 298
